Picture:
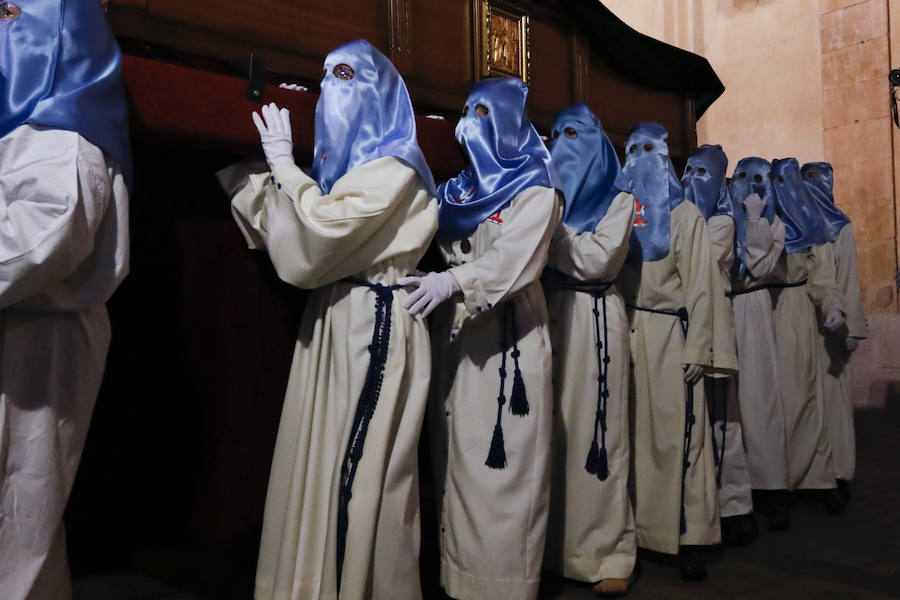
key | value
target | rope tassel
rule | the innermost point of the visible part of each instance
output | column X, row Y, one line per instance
column 497, row 455
column 518, row 402
column 597, row 462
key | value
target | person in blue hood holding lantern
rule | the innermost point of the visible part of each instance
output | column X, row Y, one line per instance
column 668, row 283
column 840, row 344
column 591, row 527
column 341, row 516
column 490, row 408
column 64, row 164
column 808, row 298
column 759, row 241
column 705, row 185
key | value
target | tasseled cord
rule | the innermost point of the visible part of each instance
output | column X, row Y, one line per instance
column 597, row 462
column 689, row 420
column 518, row 402
column 365, row 409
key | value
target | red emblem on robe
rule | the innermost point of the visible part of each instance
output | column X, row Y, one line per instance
column 639, row 214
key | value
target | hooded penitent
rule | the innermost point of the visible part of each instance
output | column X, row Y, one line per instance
column 60, row 67
column 704, row 181
column 506, row 157
column 752, row 175
column 363, row 113
column 655, row 187
column 587, row 165
column 803, row 221
column 819, row 180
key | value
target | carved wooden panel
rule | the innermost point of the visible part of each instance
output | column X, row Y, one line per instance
column 551, row 74
column 441, row 48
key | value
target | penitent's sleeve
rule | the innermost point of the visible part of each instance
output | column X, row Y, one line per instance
column 375, row 210
column 690, row 242
column 847, row 276
column 516, row 257
column 765, row 242
column 599, row 254
column 54, row 191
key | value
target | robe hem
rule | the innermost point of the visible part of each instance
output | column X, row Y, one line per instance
column 465, row 586
column 618, row 565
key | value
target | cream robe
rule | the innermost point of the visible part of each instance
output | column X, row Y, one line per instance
column 493, row 521
column 63, row 250
column 801, row 370
column 374, row 225
column 659, row 350
column 838, row 378
column 735, row 491
column 762, row 408
column 590, row 535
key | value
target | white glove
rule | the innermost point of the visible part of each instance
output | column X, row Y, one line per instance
column 834, row 319
column 275, row 134
column 432, row 289
column 294, row 86
column 852, row 343
column 753, row 206
column 692, row 373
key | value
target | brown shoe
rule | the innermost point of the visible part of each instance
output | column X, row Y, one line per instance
column 611, row 587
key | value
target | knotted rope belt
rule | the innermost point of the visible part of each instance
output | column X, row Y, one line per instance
column 597, row 462
column 690, row 418
column 518, row 401
column 766, row 286
column 365, row 407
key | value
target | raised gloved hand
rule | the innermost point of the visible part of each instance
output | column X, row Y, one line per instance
column 834, row 319
column 293, row 86
column 753, row 206
column 852, row 343
column 275, row 133
column 432, row 289
column 692, row 373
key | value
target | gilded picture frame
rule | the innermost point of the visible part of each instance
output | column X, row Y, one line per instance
column 502, row 40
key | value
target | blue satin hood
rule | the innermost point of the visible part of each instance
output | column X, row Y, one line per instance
column 364, row 118
column 61, row 68
column 819, row 180
column 752, row 175
column 803, row 221
column 506, row 157
column 656, row 189
column 704, row 181
column 587, row 165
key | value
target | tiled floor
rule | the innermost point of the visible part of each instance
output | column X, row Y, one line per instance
column 852, row 555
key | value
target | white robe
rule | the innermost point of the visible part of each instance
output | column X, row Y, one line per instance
column 63, row 251
column 801, row 370
column 760, row 399
column 838, row 377
column 374, row 225
column 590, row 534
column 659, row 350
column 493, row 521
column 735, row 490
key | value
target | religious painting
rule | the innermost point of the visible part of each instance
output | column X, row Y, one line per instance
column 502, row 44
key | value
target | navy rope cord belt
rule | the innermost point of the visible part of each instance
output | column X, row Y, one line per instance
column 718, row 455
column 597, row 462
column 365, row 407
column 766, row 286
column 518, row 401
column 690, row 418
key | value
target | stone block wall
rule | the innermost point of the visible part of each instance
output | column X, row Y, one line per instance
column 857, row 133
